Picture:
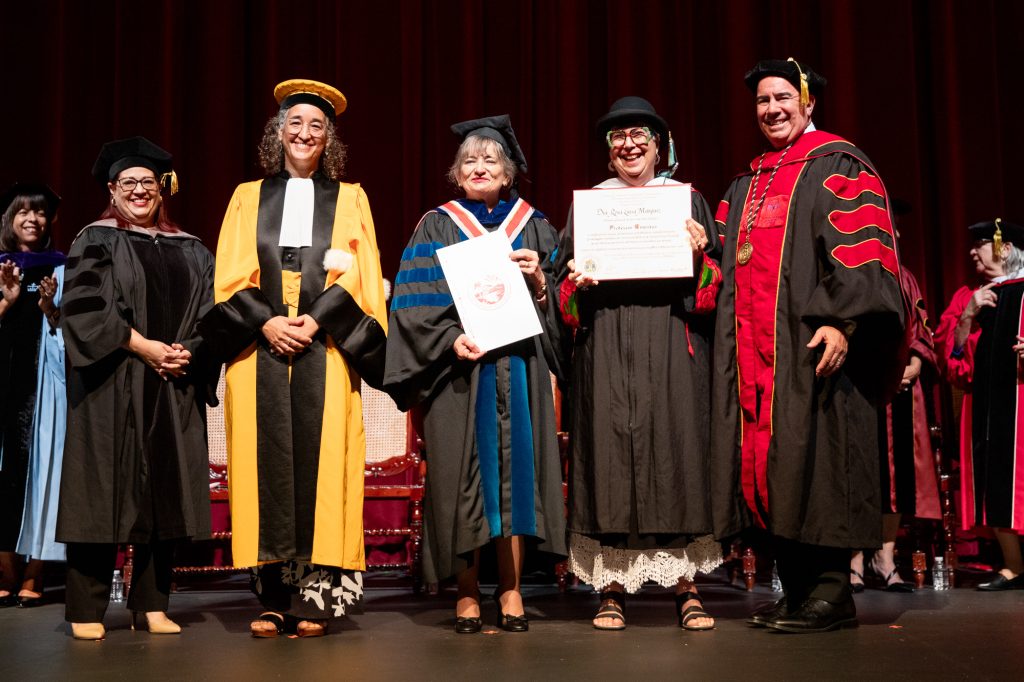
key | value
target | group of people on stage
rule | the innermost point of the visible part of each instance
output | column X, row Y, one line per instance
column 777, row 388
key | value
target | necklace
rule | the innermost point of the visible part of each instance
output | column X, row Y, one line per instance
column 746, row 251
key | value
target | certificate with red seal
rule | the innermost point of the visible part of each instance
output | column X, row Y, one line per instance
column 490, row 294
column 633, row 233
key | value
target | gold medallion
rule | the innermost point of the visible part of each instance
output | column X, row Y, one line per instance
column 745, row 252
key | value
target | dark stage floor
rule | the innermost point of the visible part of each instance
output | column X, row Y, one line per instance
column 960, row 634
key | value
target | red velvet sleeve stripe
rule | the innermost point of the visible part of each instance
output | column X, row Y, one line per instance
column 851, row 188
column 856, row 255
column 863, row 217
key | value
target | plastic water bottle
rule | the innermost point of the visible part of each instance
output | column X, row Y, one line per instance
column 939, row 581
column 117, row 587
column 776, row 581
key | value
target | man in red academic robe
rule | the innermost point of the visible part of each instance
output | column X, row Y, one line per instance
column 809, row 335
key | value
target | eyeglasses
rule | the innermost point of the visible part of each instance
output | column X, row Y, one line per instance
column 316, row 128
column 640, row 136
column 129, row 184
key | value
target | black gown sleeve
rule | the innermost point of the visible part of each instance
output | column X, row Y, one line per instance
column 95, row 319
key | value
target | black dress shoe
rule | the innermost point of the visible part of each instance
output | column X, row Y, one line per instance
column 1001, row 582
column 817, row 615
column 764, row 615
column 468, row 626
column 513, row 623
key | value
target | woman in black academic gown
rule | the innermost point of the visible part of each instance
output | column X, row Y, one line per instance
column 639, row 509
column 135, row 460
column 489, row 422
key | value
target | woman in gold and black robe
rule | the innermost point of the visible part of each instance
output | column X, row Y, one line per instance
column 300, row 318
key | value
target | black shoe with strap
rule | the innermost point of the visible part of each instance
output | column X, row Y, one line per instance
column 691, row 613
column 613, row 604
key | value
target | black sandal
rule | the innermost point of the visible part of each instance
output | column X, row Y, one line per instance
column 692, row 612
column 901, row 586
column 857, row 588
column 612, row 606
column 276, row 619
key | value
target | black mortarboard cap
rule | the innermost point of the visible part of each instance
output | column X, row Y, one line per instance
column 30, row 189
column 1011, row 232
column 629, row 110
column 789, row 69
column 497, row 128
column 134, row 151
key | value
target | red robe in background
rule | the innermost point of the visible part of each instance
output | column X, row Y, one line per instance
column 910, row 483
column 989, row 373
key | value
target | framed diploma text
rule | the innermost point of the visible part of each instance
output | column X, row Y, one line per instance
column 632, row 233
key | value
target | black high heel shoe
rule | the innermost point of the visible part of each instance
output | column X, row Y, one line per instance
column 469, row 625
column 511, row 623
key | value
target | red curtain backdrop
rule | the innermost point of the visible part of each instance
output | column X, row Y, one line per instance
column 925, row 88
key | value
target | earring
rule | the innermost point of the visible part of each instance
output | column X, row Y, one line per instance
column 657, row 158
column 611, row 166
column 111, row 199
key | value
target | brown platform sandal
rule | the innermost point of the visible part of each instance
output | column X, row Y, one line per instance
column 275, row 619
column 311, row 628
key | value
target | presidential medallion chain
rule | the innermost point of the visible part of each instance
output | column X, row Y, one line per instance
column 746, row 250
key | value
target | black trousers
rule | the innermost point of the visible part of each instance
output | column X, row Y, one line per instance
column 808, row 571
column 91, row 568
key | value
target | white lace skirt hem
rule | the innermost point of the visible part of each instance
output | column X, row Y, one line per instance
column 601, row 566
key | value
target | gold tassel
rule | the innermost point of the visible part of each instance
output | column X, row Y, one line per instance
column 805, row 94
column 170, row 180
column 997, row 241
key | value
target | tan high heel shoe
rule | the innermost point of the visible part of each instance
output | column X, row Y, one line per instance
column 93, row 631
column 164, row 626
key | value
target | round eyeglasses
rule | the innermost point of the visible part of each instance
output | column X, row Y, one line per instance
column 640, row 136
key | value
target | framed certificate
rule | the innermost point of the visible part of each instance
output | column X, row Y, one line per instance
column 494, row 304
column 633, row 233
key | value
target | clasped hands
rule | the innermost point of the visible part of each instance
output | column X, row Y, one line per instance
column 169, row 361
column 288, row 336
column 698, row 241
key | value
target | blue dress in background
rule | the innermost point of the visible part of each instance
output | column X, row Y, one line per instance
column 49, row 421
